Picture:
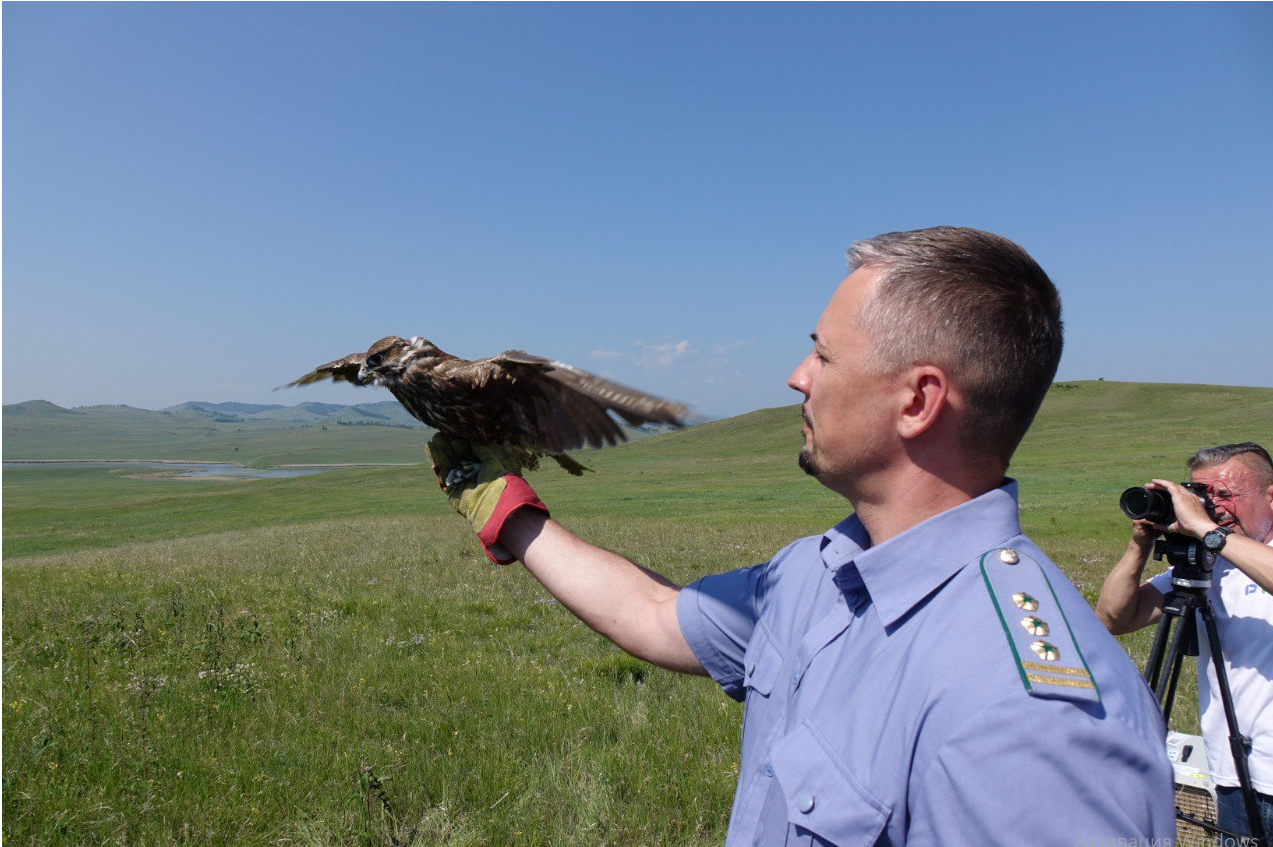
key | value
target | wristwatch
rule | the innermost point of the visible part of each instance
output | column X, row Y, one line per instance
column 1215, row 539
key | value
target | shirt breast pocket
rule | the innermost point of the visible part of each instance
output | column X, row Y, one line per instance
column 762, row 664
column 825, row 803
column 764, row 698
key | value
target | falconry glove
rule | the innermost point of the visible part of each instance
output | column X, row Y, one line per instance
column 483, row 485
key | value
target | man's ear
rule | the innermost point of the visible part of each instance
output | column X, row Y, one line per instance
column 925, row 395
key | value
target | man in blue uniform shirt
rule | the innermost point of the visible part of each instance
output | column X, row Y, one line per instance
column 921, row 673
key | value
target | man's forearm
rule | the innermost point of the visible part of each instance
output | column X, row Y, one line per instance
column 1252, row 558
column 632, row 606
column 1122, row 605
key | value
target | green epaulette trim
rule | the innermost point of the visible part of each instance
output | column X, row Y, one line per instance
column 1039, row 636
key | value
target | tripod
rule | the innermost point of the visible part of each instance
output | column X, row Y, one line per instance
column 1187, row 601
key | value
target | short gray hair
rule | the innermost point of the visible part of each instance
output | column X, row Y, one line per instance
column 976, row 305
column 1253, row 456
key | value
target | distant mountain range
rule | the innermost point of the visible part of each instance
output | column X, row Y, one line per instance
column 384, row 413
column 248, row 433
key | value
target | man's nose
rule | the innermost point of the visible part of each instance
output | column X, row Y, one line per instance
column 799, row 379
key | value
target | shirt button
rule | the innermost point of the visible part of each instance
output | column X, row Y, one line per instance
column 769, row 769
column 795, row 678
column 804, row 802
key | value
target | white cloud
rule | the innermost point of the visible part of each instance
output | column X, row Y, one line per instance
column 712, row 365
column 722, row 349
column 662, row 355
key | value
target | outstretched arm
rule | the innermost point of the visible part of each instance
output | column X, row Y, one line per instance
column 632, row 606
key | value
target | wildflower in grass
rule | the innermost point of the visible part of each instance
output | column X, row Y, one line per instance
column 240, row 677
column 146, row 685
column 417, row 639
column 320, row 616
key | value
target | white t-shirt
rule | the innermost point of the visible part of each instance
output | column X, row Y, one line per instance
column 1244, row 618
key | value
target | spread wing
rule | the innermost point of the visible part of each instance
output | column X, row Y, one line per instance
column 341, row 370
column 565, row 407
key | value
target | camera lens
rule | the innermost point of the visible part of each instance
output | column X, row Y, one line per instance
column 1148, row 504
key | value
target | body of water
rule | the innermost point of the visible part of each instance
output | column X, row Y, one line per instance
column 188, row 470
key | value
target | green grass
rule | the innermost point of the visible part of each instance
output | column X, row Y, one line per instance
column 329, row 660
column 257, row 687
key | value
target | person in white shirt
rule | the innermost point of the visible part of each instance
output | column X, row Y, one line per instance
column 1239, row 481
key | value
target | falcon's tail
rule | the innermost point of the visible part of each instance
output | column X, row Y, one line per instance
column 570, row 464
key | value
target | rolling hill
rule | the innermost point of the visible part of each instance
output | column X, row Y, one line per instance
column 200, row 651
column 248, row 434
column 256, row 435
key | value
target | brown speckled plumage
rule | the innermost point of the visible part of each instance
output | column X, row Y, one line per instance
column 534, row 405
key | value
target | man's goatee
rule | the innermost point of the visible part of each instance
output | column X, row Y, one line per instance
column 806, row 462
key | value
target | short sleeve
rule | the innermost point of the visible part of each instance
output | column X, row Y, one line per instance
column 717, row 615
column 1162, row 582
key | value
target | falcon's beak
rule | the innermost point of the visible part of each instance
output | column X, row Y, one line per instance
column 364, row 376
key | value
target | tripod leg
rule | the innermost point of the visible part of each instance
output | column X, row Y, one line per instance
column 1176, row 655
column 1178, row 661
column 1154, row 665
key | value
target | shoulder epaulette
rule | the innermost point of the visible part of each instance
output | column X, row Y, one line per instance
column 1042, row 644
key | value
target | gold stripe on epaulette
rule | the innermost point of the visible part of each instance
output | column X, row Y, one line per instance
column 1039, row 666
column 1062, row 681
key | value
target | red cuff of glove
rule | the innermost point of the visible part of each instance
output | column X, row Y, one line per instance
column 517, row 494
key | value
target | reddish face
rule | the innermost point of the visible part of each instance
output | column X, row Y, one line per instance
column 848, row 426
column 1241, row 502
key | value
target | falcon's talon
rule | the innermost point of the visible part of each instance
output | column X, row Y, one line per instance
column 456, row 477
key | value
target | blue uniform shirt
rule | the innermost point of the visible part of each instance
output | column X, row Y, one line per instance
column 949, row 686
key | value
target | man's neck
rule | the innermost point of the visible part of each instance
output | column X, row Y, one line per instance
column 913, row 495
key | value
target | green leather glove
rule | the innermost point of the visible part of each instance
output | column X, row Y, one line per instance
column 483, row 485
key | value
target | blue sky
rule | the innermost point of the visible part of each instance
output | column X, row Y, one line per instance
column 203, row 201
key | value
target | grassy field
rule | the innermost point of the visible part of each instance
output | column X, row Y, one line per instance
column 329, row 660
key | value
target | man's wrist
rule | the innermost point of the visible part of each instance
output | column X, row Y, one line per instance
column 520, row 529
column 1216, row 538
column 515, row 496
column 1141, row 546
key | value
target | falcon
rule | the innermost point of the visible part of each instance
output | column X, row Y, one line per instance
column 530, row 405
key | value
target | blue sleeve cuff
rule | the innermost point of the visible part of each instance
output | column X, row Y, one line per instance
column 698, row 634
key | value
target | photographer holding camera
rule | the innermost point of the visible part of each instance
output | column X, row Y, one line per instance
column 1238, row 528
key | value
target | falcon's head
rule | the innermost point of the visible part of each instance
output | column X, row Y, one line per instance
column 387, row 360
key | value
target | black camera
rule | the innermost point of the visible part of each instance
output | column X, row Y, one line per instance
column 1154, row 504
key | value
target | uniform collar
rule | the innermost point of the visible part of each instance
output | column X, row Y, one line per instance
column 902, row 571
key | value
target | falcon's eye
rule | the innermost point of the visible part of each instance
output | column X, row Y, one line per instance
column 373, row 361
